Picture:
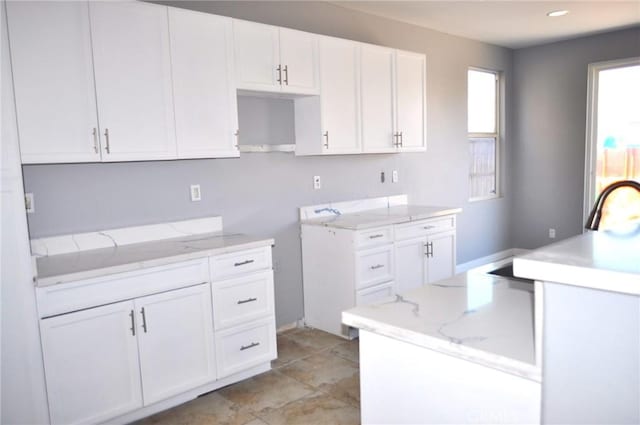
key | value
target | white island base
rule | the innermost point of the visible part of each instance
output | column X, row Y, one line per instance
column 402, row 383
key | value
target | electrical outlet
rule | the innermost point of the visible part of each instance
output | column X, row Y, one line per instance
column 552, row 233
column 317, row 184
column 29, row 203
column 394, row 176
column 196, row 195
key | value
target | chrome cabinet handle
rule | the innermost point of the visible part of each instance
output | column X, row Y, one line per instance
column 133, row 324
column 286, row 74
column 376, row 236
column 248, row 300
column 326, row 139
column 106, row 138
column 246, row 347
column 95, row 140
column 237, row 134
column 279, row 69
column 377, row 266
column 396, row 143
column 242, row 263
column 428, row 227
column 401, row 141
column 430, row 249
column 144, row 320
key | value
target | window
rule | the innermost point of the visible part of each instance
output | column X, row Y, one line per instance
column 482, row 125
column 613, row 138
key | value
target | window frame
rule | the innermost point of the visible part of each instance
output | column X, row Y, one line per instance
column 497, row 135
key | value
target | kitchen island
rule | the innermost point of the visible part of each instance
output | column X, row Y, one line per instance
column 461, row 350
column 591, row 340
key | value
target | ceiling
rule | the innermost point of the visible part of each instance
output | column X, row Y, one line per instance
column 512, row 24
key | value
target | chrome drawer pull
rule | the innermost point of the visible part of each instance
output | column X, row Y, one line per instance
column 377, row 266
column 144, row 320
column 248, row 300
column 242, row 263
column 375, row 236
column 133, row 325
column 429, row 227
column 246, row 347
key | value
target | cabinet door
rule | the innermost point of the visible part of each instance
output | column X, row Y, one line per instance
column 339, row 94
column 91, row 364
column 203, row 85
column 377, row 99
column 133, row 80
column 411, row 264
column 257, row 56
column 299, row 61
column 175, row 331
column 53, row 76
column 442, row 261
column 411, row 100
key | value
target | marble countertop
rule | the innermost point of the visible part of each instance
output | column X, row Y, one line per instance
column 62, row 268
column 381, row 216
column 598, row 260
column 482, row 318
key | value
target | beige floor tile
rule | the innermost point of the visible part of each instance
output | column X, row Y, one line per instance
column 349, row 350
column 320, row 370
column 269, row 390
column 211, row 408
column 315, row 339
column 290, row 350
column 347, row 390
column 317, row 409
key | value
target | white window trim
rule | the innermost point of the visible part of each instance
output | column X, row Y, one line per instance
column 497, row 135
column 591, row 142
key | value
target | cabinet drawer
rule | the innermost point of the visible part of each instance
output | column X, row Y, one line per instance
column 377, row 236
column 243, row 299
column 374, row 266
column 67, row 297
column 240, row 262
column 374, row 294
column 424, row 227
column 245, row 346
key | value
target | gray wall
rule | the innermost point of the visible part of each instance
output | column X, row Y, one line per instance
column 549, row 99
column 260, row 193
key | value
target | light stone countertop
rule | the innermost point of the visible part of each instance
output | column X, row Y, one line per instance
column 381, row 216
column 74, row 266
column 486, row 319
column 598, row 260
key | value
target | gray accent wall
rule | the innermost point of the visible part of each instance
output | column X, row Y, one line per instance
column 549, row 110
column 259, row 193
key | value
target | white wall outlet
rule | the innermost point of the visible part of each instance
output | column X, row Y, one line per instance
column 394, row 176
column 552, row 233
column 317, row 184
column 196, row 195
column 29, row 204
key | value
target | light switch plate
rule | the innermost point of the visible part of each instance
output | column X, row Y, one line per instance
column 196, row 195
column 394, row 176
column 29, row 203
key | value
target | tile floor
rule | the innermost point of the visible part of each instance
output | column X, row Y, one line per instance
column 315, row 380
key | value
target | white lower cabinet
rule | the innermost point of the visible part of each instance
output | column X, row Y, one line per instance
column 244, row 346
column 91, row 364
column 344, row 268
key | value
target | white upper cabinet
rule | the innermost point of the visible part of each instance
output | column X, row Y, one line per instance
column 203, row 84
column 53, row 76
column 411, row 102
column 275, row 59
column 133, row 80
column 340, row 114
column 378, row 112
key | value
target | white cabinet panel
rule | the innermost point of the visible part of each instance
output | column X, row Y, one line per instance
column 374, row 294
column 244, row 346
column 257, row 56
column 236, row 263
column 176, row 341
column 91, row 364
column 53, row 76
column 339, row 93
column 411, row 100
column 203, row 84
column 133, row 80
column 299, row 61
column 374, row 266
column 411, row 264
column 377, row 99
column 442, row 258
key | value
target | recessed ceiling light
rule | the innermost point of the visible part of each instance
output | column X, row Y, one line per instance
column 556, row 13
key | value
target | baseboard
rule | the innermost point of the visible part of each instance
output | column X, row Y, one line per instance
column 511, row 252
